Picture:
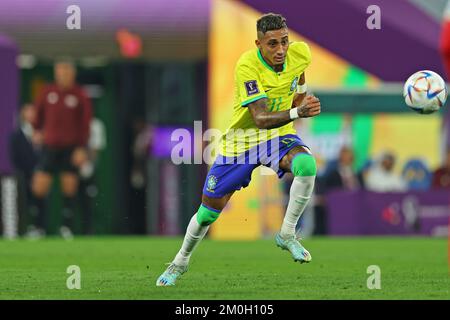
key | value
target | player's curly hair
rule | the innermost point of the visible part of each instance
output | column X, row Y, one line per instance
column 270, row 21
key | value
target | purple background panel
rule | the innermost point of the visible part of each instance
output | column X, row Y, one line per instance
column 393, row 53
column 347, row 219
column 107, row 14
column 370, row 213
column 9, row 82
column 162, row 144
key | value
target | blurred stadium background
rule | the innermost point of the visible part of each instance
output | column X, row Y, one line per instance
column 153, row 66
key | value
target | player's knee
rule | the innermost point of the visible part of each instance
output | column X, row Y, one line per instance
column 38, row 190
column 69, row 190
column 40, row 185
column 69, row 185
column 303, row 165
column 206, row 216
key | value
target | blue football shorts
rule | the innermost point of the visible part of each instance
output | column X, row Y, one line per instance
column 228, row 174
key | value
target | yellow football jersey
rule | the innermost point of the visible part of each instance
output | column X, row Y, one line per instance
column 255, row 79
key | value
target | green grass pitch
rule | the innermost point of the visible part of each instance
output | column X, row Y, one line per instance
column 127, row 268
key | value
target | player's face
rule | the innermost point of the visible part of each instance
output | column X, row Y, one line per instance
column 388, row 163
column 28, row 113
column 346, row 157
column 64, row 74
column 274, row 45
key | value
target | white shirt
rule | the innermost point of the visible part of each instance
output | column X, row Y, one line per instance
column 380, row 180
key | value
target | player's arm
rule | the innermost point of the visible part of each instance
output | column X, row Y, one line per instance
column 264, row 119
column 301, row 91
column 80, row 154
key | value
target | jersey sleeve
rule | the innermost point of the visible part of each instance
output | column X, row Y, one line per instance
column 249, row 85
column 301, row 54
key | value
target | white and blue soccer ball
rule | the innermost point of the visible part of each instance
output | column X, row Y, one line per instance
column 425, row 92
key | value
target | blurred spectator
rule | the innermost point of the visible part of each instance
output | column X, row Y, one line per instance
column 441, row 177
column 445, row 38
column 416, row 175
column 339, row 175
column 142, row 140
column 381, row 176
column 24, row 144
column 343, row 176
column 88, row 189
column 445, row 53
column 64, row 116
column 24, row 141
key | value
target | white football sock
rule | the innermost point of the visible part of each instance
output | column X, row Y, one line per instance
column 194, row 234
column 299, row 195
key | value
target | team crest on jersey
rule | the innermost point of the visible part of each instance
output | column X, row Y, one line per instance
column 71, row 101
column 212, row 182
column 251, row 87
column 293, row 85
column 52, row 97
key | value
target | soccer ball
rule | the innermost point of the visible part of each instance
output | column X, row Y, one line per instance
column 425, row 92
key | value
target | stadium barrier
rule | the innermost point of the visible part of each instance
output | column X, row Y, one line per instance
column 370, row 213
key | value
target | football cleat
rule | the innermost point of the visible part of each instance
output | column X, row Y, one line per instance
column 294, row 247
column 171, row 274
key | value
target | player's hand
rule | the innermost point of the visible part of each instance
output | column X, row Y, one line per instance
column 79, row 157
column 310, row 107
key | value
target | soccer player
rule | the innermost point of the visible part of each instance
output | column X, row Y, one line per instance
column 63, row 116
column 270, row 92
